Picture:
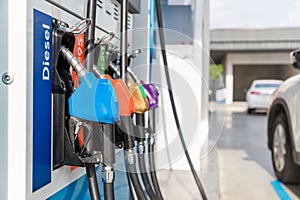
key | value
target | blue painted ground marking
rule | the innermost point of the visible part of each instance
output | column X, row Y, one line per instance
column 282, row 194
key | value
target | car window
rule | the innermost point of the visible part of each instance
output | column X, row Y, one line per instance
column 267, row 85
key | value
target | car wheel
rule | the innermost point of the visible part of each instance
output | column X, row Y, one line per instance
column 251, row 110
column 285, row 168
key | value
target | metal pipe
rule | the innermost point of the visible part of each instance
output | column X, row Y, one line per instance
column 90, row 36
column 132, row 74
column 123, row 45
column 73, row 61
column 115, row 68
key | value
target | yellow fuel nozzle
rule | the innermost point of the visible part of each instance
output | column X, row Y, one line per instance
column 139, row 98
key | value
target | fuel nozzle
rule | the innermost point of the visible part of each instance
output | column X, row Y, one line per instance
column 151, row 93
column 124, row 96
column 129, row 70
column 94, row 99
column 139, row 98
column 115, row 69
column 132, row 74
column 74, row 62
column 133, row 54
column 130, row 55
column 149, row 89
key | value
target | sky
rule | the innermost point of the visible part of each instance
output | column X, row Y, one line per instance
column 254, row 13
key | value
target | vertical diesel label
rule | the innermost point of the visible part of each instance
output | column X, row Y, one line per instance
column 42, row 86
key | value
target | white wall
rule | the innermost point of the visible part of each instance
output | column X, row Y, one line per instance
column 189, row 66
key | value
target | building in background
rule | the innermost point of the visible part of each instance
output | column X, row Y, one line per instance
column 249, row 54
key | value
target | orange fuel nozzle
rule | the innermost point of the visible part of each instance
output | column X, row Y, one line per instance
column 139, row 98
column 125, row 98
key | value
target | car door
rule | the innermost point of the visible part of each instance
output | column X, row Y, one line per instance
column 291, row 94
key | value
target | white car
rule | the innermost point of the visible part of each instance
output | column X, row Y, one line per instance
column 284, row 128
column 260, row 93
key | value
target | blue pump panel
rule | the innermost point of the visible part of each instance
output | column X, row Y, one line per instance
column 42, row 88
column 95, row 100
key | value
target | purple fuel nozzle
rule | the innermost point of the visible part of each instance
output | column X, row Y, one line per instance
column 152, row 94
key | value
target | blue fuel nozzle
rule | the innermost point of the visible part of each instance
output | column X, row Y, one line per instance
column 94, row 99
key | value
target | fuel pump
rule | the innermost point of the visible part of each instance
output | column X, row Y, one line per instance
column 95, row 100
column 152, row 96
column 151, row 93
column 64, row 152
column 125, row 128
column 141, row 106
column 64, row 134
column 86, row 107
column 144, row 98
column 92, row 102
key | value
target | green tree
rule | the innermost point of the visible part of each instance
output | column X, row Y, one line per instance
column 215, row 71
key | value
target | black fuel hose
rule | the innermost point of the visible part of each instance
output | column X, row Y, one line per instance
column 126, row 127
column 164, row 55
column 140, row 125
column 109, row 191
column 92, row 180
column 153, row 170
column 108, row 149
column 131, row 188
column 151, row 149
column 129, row 156
column 90, row 169
column 132, row 173
column 146, row 181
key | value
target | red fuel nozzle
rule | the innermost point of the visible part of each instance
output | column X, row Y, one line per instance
column 124, row 97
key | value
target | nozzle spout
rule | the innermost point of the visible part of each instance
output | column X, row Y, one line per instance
column 133, row 75
column 74, row 62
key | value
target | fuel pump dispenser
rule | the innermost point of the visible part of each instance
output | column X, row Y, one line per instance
column 126, row 128
column 125, row 131
column 137, row 90
column 92, row 102
column 145, row 99
column 152, row 96
column 64, row 150
column 95, row 100
column 151, row 93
